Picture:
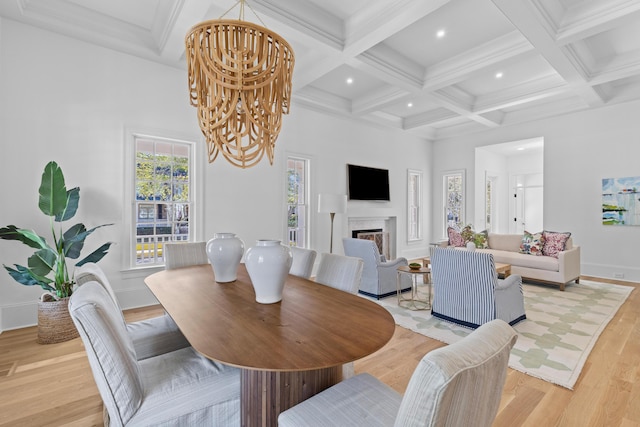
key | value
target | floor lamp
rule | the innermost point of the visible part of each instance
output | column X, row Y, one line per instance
column 332, row 204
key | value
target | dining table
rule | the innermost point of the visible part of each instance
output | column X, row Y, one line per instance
column 287, row 351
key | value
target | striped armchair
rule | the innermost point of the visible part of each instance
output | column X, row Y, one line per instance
column 467, row 290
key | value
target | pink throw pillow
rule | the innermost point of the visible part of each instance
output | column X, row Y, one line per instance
column 554, row 243
column 455, row 238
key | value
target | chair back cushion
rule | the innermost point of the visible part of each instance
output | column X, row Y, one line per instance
column 460, row 384
column 302, row 264
column 90, row 272
column 109, row 349
column 184, row 254
column 340, row 272
column 368, row 252
column 464, row 283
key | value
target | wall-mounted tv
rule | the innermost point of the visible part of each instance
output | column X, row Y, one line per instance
column 368, row 183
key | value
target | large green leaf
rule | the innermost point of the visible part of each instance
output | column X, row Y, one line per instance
column 24, row 276
column 96, row 255
column 28, row 237
column 53, row 192
column 74, row 239
column 73, row 198
column 42, row 262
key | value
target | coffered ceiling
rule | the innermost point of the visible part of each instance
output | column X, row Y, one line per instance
column 434, row 68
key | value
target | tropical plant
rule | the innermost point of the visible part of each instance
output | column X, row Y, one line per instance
column 60, row 205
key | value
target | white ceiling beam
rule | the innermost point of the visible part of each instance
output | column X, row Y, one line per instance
column 378, row 100
column 428, row 118
column 379, row 21
column 461, row 103
column 527, row 92
column 528, row 20
column 172, row 30
column 459, row 67
column 589, row 18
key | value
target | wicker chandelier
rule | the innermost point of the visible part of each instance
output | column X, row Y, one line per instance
column 240, row 81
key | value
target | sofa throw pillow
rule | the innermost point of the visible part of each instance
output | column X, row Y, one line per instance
column 455, row 238
column 481, row 239
column 532, row 243
column 467, row 234
column 554, row 242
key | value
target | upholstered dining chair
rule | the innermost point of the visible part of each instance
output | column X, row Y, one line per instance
column 344, row 273
column 150, row 337
column 303, row 260
column 467, row 290
column 176, row 388
column 457, row 385
column 183, row 254
column 340, row 272
column 379, row 278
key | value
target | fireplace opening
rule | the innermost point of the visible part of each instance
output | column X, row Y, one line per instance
column 378, row 236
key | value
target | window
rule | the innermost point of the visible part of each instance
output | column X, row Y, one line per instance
column 297, row 201
column 163, row 206
column 453, row 200
column 414, row 205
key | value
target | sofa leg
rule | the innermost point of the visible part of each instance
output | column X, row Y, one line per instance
column 562, row 286
column 578, row 280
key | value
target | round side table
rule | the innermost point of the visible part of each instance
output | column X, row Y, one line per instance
column 414, row 302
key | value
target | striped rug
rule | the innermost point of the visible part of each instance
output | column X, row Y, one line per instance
column 557, row 337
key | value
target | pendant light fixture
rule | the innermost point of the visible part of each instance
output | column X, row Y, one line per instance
column 240, row 81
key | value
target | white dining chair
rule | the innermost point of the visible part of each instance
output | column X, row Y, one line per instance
column 177, row 388
column 340, row 272
column 150, row 337
column 183, row 254
column 303, row 260
column 344, row 273
column 457, row 385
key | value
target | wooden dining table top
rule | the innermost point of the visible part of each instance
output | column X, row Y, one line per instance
column 313, row 327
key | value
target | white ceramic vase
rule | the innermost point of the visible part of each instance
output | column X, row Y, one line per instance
column 225, row 252
column 268, row 264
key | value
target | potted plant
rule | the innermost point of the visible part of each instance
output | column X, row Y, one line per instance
column 47, row 267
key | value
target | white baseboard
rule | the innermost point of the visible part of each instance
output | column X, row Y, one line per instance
column 17, row 316
column 629, row 274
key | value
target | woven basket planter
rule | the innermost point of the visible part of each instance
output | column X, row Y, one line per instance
column 54, row 321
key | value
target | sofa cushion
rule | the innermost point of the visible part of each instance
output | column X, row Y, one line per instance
column 532, row 243
column 523, row 260
column 554, row 242
column 505, row 242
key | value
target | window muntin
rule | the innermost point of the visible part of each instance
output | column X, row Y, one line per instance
column 162, row 197
column 414, row 205
column 297, row 201
column 453, row 183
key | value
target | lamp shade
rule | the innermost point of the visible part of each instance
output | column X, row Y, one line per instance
column 332, row 203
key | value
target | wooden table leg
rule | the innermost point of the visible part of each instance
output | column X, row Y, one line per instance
column 264, row 394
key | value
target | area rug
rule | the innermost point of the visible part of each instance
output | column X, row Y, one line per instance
column 556, row 338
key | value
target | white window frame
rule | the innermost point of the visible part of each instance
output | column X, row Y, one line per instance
column 196, row 191
column 307, row 202
column 445, row 194
column 414, row 210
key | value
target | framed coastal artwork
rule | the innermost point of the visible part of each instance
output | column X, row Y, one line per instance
column 621, row 201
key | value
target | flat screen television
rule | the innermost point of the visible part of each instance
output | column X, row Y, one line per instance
column 367, row 183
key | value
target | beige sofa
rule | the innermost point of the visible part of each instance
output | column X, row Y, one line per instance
column 506, row 249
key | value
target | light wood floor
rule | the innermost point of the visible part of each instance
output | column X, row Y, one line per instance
column 52, row 385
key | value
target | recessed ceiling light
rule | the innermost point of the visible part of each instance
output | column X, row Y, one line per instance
column 410, row 104
column 440, row 34
column 499, row 75
column 520, row 148
column 349, row 80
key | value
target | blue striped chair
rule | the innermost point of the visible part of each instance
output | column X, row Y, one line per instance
column 467, row 290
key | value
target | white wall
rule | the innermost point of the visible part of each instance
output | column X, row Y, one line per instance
column 579, row 150
column 69, row 101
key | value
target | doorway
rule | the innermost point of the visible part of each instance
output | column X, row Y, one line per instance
column 509, row 191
